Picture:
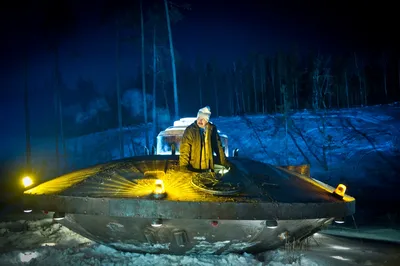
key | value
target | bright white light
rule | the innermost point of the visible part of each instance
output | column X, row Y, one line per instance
column 339, row 258
column 51, row 244
column 339, row 221
column 159, row 187
column 184, row 121
column 28, row 256
column 339, row 247
column 27, row 181
column 27, row 211
column 156, row 223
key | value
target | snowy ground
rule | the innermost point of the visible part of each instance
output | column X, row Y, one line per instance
column 362, row 150
column 41, row 241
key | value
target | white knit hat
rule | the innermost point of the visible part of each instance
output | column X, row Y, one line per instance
column 204, row 113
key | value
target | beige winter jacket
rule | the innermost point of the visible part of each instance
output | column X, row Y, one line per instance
column 196, row 151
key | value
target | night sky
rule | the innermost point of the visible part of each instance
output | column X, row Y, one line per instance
column 225, row 30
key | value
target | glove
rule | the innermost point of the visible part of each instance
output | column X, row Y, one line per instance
column 227, row 165
column 185, row 168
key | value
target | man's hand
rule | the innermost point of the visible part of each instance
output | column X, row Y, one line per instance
column 215, row 175
column 227, row 165
column 185, row 168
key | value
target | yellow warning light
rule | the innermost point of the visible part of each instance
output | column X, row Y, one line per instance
column 27, row 181
column 340, row 190
column 159, row 187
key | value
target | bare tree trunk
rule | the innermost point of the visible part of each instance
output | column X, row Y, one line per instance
column 155, row 126
column 272, row 68
column 57, row 134
column 144, row 77
column 56, row 109
column 337, row 96
column 254, row 88
column 59, row 113
column 228, row 77
column 171, row 48
column 216, row 95
column 27, row 119
column 296, row 93
column 365, row 90
column 347, row 89
column 359, row 79
column 242, row 92
column 120, row 133
column 315, row 94
column 384, row 66
column 235, row 88
column 64, row 148
column 399, row 73
column 165, row 96
column 200, row 89
column 263, row 85
column 385, row 83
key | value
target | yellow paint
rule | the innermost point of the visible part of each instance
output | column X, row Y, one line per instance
column 318, row 183
column 340, row 190
column 176, row 184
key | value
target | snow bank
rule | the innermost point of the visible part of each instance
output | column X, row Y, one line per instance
column 44, row 242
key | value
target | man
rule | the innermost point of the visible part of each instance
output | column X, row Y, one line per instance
column 200, row 140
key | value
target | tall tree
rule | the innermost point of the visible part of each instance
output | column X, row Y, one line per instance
column 58, row 20
column 118, row 88
column 171, row 47
column 122, row 14
column 384, row 62
column 154, row 112
column 144, row 75
column 359, row 69
column 27, row 117
column 200, row 78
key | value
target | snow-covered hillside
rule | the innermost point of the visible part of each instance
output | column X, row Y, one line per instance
column 352, row 144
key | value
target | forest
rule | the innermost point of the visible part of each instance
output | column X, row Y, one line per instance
column 166, row 86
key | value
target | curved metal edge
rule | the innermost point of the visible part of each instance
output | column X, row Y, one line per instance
column 188, row 210
column 188, row 236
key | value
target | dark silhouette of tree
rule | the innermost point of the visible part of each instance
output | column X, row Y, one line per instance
column 58, row 21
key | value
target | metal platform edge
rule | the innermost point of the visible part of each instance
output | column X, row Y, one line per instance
column 144, row 208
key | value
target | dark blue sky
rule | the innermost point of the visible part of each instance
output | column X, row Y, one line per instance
column 225, row 30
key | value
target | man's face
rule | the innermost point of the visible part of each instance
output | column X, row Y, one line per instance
column 201, row 122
